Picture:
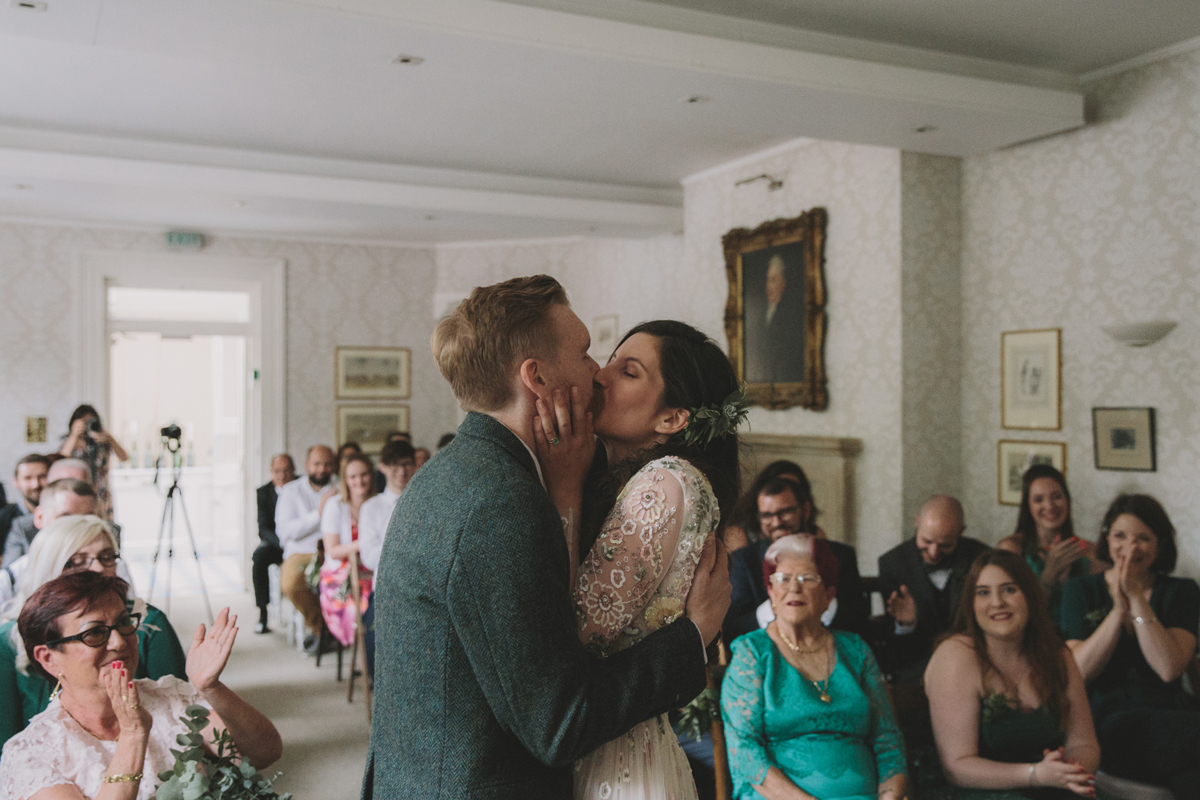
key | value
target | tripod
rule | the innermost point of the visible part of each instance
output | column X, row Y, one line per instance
column 175, row 493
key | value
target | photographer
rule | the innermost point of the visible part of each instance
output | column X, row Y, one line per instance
column 88, row 441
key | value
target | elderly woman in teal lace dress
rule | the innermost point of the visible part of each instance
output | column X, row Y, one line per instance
column 806, row 710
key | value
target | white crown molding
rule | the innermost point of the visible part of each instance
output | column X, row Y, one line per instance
column 535, row 241
column 37, row 164
column 542, row 28
column 1171, row 50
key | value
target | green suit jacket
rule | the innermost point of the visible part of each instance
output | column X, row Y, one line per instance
column 482, row 688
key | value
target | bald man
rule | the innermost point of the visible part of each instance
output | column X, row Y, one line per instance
column 923, row 581
column 298, row 526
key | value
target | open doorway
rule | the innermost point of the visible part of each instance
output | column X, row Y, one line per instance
column 197, row 341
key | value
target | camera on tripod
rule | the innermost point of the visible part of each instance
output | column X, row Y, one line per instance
column 171, row 436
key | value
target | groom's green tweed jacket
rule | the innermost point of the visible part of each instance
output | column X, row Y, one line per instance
column 482, row 688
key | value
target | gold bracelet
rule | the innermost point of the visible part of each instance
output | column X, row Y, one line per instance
column 137, row 776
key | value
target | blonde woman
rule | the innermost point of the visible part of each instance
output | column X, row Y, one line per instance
column 72, row 544
column 339, row 532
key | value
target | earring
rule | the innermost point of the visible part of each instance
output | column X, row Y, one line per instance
column 58, row 687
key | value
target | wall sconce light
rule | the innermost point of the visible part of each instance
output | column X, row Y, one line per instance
column 1139, row 334
column 773, row 183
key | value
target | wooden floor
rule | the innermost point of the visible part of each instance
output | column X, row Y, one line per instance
column 324, row 737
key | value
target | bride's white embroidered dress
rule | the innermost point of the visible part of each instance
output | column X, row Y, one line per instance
column 634, row 581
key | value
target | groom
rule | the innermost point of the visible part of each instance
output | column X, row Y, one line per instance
column 482, row 688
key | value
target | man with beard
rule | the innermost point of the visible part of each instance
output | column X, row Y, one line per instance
column 29, row 478
column 298, row 526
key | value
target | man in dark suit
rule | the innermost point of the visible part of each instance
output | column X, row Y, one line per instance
column 923, row 582
column 482, row 687
column 29, row 478
column 268, row 552
column 781, row 513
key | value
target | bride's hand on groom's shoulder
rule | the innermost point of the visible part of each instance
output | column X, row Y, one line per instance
column 565, row 442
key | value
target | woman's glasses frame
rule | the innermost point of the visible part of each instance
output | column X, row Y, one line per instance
column 780, row 578
column 98, row 636
column 106, row 559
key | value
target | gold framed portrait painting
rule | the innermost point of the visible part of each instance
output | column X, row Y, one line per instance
column 775, row 314
column 370, row 425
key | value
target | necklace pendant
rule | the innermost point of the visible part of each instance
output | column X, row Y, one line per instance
column 825, row 698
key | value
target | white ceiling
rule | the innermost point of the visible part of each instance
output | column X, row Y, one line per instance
column 525, row 120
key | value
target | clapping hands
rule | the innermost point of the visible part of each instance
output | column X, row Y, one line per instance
column 210, row 651
column 901, row 607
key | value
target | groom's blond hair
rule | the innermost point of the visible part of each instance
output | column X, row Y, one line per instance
column 479, row 347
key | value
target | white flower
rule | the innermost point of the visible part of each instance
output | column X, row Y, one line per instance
column 618, row 578
column 605, row 791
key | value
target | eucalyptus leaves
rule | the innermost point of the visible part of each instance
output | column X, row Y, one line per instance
column 202, row 775
column 710, row 422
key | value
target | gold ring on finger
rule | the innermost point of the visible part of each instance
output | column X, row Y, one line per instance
column 554, row 440
column 134, row 706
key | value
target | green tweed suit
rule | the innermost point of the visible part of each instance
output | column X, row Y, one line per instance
column 482, row 688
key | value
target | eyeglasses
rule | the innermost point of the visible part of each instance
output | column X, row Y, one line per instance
column 81, row 561
column 767, row 516
column 99, row 635
column 781, row 578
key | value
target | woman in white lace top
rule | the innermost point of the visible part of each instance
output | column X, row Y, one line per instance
column 668, row 407
column 106, row 736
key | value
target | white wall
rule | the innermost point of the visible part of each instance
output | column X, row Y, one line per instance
column 337, row 294
column 1092, row 227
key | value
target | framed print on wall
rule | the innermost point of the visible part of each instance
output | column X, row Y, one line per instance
column 370, row 425
column 1123, row 439
column 775, row 314
column 1014, row 457
column 372, row 373
column 1031, row 379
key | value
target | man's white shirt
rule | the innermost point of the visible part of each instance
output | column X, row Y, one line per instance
column 373, row 519
column 297, row 520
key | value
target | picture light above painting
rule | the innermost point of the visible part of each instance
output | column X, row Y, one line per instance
column 775, row 315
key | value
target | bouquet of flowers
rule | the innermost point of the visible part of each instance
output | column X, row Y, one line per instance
column 200, row 774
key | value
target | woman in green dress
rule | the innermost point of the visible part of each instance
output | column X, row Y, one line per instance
column 1009, row 710
column 1045, row 534
column 66, row 545
column 1133, row 632
column 806, row 711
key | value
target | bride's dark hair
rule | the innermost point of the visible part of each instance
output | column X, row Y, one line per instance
column 695, row 372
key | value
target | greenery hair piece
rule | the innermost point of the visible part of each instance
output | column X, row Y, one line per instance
column 711, row 422
column 202, row 775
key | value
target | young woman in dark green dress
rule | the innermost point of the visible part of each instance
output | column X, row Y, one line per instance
column 1045, row 534
column 1133, row 632
column 1009, row 709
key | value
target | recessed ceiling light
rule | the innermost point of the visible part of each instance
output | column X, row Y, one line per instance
column 239, row 203
column 696, row 98
column 430, row 217
column 925, row 129
column 411, row 61
column 22, row 187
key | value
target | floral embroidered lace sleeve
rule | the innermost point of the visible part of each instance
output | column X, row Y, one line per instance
column 637, row 575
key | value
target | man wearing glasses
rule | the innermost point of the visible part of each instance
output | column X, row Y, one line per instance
column 781, row 513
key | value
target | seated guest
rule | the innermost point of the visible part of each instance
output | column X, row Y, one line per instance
column 806, row 710
column 1008, row 704
column 923, row 580
column 71, row 544
column 64, row 497
column 25, row 527
column 398, row 464
column 339, row 529
column 1132, row 629
column 743, row 527
column 785, row 507
column 1045, row 534
column 29, row 478
column 268, row 552
column 422, row 455
column 380, row 482
column 106, row 734
column 298, row 526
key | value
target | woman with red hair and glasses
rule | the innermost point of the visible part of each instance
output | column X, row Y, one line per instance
column 806, row 709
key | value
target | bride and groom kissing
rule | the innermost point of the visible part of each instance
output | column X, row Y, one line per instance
column 531, row 636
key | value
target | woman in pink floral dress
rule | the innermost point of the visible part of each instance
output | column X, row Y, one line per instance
column 671, row 402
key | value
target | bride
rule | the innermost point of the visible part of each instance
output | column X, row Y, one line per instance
column 667, row 405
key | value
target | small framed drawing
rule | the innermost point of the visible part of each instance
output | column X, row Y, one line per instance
column 605, row 331
column 1124, row 438
column 1030, row 379
column 372, row 373
column 370, row 425
column 1014, row 457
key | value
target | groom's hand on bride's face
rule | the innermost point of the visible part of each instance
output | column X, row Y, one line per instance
column 564, row 439
column 708, row 601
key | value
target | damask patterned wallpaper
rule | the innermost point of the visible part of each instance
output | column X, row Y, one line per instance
column 336, row 294
column 1096, row 226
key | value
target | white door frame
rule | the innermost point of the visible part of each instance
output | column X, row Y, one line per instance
column 263, row 278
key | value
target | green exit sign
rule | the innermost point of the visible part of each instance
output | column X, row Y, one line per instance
column 185, row 240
